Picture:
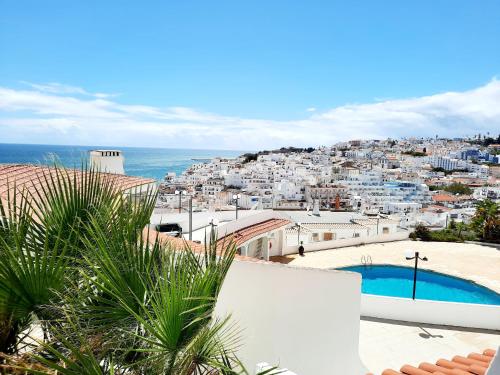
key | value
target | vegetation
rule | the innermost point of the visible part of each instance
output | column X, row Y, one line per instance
column 458, row 188
column 446, row 172
column 107, row 297
column 485, row 140
column 283, row 150
column 484, row 226
column 456, row 232
column 421, row 232
column 415, row 153
column 486, row 221
column 454, row 188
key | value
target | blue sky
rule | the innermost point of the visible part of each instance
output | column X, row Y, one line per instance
column 259, row 64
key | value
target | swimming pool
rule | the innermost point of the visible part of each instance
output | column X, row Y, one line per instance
column 397, row 281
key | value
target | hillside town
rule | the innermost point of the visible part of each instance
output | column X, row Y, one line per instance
column 413, row 181
column 249, row 187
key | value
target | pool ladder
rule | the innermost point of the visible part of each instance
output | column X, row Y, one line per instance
column 366, row 260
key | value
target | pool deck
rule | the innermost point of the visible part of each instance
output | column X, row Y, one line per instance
column 478, row 263
column 391, row 344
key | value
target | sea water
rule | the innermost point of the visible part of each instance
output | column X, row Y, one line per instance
column 144, row 162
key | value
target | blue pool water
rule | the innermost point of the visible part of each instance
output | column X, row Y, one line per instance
column 395, row 281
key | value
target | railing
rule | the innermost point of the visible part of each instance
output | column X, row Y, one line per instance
column 366, row 260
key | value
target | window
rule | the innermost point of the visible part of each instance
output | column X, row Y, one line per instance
column 315, row 237
column 328, row 236
column 356, row 235
column 385, row 230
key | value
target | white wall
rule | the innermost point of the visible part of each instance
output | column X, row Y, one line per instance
column 325, row 245
column 468, row 315
column 306, row 320
column 339, row 234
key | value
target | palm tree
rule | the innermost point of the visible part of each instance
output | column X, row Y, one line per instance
column 486, row 221
column 77, row 263
column 461, row 226
column 41, row 231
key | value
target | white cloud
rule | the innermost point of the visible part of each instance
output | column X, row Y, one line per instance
column 54, row 113
column 59, row 88
column 311, row 109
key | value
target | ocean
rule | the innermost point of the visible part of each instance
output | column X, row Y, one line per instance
column 143, row 162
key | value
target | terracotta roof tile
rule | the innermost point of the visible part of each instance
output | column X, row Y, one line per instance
column 450, row 198
column 473, row 364
column 181, row 244
column 246, row 234
column 25, row 176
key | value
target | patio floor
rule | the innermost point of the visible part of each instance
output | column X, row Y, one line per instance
column 391, row 344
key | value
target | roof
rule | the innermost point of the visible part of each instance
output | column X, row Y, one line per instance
column 434, row 208
column 176, row 242
column 445, row 198
column 246, row 234
column 473, row 364
column 30, row 176
column 183, row 244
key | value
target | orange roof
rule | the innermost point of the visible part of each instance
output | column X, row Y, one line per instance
column 435, row 208
column 183, row 244
column 473, row 364
column 245, row 234
column 450, row 198
column 444, row 198
column 175, row 242
column 30, row 176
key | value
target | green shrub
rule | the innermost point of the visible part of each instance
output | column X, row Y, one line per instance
column 422, row 232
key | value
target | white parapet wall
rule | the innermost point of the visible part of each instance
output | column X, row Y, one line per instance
column 468, row 315
column 305, row 320
column 346, row 242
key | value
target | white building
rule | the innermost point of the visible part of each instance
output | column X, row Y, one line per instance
column 212, row 187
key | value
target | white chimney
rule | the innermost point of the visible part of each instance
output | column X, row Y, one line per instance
column 316, row 207
column 110, row 161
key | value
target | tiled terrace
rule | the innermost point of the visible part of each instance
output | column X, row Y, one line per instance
column 387, row 344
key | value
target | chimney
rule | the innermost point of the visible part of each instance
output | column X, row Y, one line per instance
column 109, row 161
column 315, row 207
column 337, row 202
